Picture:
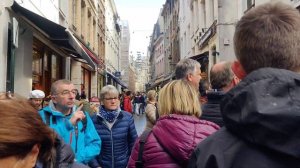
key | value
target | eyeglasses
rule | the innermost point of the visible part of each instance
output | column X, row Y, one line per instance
column 111, row 98
column 68, row 92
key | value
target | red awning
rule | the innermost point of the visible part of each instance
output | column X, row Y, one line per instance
column 94, row 57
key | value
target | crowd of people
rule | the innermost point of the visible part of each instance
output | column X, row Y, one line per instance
column 249, row 117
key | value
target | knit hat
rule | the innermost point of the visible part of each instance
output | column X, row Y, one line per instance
column 36, row 94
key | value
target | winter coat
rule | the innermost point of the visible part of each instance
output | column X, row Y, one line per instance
column 117, row 142
column 62, row 157
column 261, row 116
column 172, row 140
column 127, row 104
column 150, row 111
column 211, row 110
column 86, row 145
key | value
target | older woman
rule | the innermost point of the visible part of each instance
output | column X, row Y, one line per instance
column 116, row 130
column 151, row 112
column 25, row 140
column 177, row 131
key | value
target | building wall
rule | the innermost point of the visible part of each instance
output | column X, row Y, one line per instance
column 112, row 47
column 132, row 79
column 124, row 58
column 184, row 17
column 83, row 21
column 23, row 68
column 4, row 20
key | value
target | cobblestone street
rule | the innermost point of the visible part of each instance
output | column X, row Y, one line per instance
column 140, row 123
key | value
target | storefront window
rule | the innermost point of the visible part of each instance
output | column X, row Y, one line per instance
column 46, row 66
column 85, row 81
column 37, row 60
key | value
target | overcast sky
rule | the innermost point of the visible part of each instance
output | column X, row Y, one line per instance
column 141, row 15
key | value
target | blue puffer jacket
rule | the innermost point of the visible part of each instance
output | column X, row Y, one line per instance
column 117, row 142
column 88, row 141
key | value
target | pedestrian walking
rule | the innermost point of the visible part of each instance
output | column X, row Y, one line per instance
column 151, row 109
column 222, row 79
column 36, row 98
column 116, row 129
column 70, row 122
column 177, row 130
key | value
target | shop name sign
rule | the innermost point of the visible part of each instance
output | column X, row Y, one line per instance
column 205, row 37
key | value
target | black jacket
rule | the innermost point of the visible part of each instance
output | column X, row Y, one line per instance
column 262, row 124
column 211, row 109
column 62, row 157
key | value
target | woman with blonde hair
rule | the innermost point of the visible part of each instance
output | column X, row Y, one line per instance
column 177, row 131
column 150, row 110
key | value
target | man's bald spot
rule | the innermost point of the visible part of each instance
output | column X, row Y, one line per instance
column 219, row 66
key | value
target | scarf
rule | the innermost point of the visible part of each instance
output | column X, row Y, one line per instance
column 109, row 116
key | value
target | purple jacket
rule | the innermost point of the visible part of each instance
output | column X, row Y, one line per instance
column 177, row 134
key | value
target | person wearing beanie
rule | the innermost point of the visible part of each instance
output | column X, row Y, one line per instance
column 36, row 98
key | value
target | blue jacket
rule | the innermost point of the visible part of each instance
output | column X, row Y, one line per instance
column 86, row 145
column 117, row 142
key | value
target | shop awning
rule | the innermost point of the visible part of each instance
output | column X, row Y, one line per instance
column 200, row 56
column 117, row 80
column 59, row 35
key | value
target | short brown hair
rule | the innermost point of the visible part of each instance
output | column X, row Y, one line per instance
column 179, row 97
column 268, row 36
column 21, row 128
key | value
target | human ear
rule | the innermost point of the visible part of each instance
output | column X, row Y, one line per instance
column 32, row 156
column 189, row 77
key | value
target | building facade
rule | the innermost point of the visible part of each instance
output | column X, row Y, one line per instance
column 42, row 42
column 201, row 30
column 124, row 54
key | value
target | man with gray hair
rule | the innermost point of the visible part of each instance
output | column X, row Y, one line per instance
column 222, row 79
column 189, row 70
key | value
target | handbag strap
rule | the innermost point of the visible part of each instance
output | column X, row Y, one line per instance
column 143, row 139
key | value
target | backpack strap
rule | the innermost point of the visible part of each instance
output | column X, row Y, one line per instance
column 48, row 116
column 84, row 122
column 143, row 139
column 156, row 112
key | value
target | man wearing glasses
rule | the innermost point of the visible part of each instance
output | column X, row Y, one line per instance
column 71, row 123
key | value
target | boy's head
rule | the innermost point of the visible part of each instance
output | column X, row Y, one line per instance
column 268, row 36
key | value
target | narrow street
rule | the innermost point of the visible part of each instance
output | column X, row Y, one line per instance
column 140, row 123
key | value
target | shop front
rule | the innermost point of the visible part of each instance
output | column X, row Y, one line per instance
column 54, row 50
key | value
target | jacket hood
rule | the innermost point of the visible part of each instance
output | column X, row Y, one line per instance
column 264, row 109
column 179, row 134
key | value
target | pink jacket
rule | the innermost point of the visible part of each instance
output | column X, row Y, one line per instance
column 177, row 134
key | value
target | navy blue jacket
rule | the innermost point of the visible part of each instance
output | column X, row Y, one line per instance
column 117, row 142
